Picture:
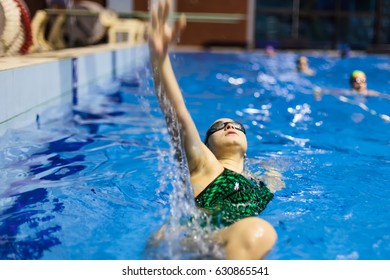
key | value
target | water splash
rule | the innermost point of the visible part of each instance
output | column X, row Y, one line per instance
column 186, row 232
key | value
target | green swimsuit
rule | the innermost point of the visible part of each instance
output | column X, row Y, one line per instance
column 231, row 197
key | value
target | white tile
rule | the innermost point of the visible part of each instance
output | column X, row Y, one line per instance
column 32, row 81
column 6, row 94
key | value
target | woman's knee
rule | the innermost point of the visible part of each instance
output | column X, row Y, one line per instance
column 258, row 232
column 250, row 238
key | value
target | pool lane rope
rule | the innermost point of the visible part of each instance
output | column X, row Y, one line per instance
column 26, row 23
column 2, row 23
column 318, row 95
column 12, row 25
column 98, row 30
column 83, row 30
column 15, row 36
column 365, row 108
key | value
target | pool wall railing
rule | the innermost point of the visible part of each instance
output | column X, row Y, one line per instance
column 31, row 83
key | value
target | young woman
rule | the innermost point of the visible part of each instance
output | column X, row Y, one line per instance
column 215, row 165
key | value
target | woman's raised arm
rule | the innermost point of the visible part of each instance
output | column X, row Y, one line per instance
column 161, row 35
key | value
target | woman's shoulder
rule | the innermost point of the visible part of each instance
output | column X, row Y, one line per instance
column 202, row 178
column 271, row 179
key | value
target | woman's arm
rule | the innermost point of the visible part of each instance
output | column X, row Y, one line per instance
column 167, row 88
column 378, row 94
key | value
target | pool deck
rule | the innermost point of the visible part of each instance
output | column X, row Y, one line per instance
column 7, row 63
column 30, row 82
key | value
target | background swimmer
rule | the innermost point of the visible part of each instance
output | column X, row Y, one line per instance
column 358, row 87
column 303, row 66
column 358, row 83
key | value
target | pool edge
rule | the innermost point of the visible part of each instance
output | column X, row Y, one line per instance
column 33, row 82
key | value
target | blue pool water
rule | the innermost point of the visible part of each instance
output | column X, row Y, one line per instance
column 96, row 180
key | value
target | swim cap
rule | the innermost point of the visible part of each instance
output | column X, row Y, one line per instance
column 356, row 73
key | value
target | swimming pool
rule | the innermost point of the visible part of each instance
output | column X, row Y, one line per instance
column 97, row 180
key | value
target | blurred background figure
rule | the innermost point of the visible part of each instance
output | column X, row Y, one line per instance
column 358, row 81
column 303, row 65
column 345, row 52
column 270, row 50
column 358, row 87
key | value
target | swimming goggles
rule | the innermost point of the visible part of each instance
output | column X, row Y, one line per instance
column 359, row 80
column 221, row 125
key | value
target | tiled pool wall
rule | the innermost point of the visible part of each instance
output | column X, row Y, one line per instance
column 28, row 90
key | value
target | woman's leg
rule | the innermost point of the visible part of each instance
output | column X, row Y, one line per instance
column 250, row 238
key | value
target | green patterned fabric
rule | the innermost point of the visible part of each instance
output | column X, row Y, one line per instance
column 231, row 197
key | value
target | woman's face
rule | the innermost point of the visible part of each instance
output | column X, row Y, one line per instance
column 359, row 82
column 227, row 134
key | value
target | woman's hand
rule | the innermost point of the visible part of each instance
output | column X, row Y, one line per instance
column 160, row 33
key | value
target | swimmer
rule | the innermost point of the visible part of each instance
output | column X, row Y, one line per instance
column 270, row 50
column 345, row 52
column 358, row 83
column 303, row 66
column 220, row 185
column 358, row 87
